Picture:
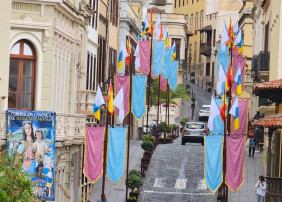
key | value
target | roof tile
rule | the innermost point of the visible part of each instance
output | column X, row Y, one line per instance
column 273, row 121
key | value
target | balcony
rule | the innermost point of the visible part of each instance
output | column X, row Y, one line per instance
column 127, row 14
column 85, row 101
column 274, row 189
column 260, row 66
column 70, row 129
column 205, row 49
column 159, row 2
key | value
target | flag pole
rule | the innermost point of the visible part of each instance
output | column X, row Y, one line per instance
column 149, row 81
column 103, row 196
column 159, row 99
column 129, row 130
column 225, row 196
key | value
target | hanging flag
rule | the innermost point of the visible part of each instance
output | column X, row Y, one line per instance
column 238, row 38
column 151, row 24
column 236, row 28
column 99, row 100
column 173, row 52
column 93, row 153
column 172, row 80
column 137, row 56
column 221, row 79
column 163, row 83
column 238, row 80
column 144, row 48
column 214, row 111
column 167, row 63
column 116, row 153
column 224, row 37
column 243, row 118
column 228, row 83
column 128, row 51
column 218, row 123
column 238, row 60
column 123, row 81
column 234, row 111
column 223, row 58
column 235, row 151
column 213, row 161
column 145, row 25
column 161, row 34
column 166, row 37
column 157, row 28
column 223, row 106
column 158, row 57
column 110, row 99
column 122, row 54
column 119, row 103
column 138, row 95
column 231, row 35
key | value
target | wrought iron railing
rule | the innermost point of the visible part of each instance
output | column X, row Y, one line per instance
column 205, row 49
column 263, row 61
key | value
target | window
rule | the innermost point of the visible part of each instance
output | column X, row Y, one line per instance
column 174, row 3
column 101, row 61
column 191, row 23
column 183, row 2
column 112, row 62
column 179, row 3
column 93, row 20
column 195, row 52
column 208, row 66
column 22, row 76
column 91, row 71
column 266, row 33
column 201, row 19
column 196, row 21
column 214, row 37
column 192, row 1
column 187, row 2
column 114, row 12
column 210, row 16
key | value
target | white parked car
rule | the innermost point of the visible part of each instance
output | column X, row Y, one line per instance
column 204, row 112
column 193, row 132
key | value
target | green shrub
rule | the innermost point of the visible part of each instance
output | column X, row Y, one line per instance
column 162, row 126
column 192, row 74
column 193, row 99
column 14, row 182
column 134, row 172
column 147, row 145
column 149, row 137
column 183, row 121
column 134, row 181
column 173, row 127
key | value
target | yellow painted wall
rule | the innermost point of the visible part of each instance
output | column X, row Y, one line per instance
column 5, row 10
column 274, row 26
column 189, row 9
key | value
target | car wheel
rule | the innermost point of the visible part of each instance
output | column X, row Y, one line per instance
column 203, row 143
column 200, row 118
column 183, row 142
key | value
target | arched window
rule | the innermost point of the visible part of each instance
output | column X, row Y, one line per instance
column 22, row 76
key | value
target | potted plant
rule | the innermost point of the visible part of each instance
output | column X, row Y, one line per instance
column 192, row 77
column 134, row 181
column 187, row 88
column 147, row 146
column 183, row 121
column 193, row 102
column 209, row 83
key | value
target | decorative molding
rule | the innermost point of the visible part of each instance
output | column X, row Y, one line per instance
column 45, row 39
column 26, row 21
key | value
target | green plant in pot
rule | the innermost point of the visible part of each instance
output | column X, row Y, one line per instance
column 149, row 137
column 192, row 76
column 134, row 181
column 147, row 145
column 162, row 126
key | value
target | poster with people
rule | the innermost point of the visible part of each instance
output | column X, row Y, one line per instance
column 31, row 135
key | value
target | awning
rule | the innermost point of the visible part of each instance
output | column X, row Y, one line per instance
column 271, row 90
column 273, row 121
column 206, row 28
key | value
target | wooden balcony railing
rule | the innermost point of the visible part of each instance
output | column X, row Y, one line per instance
column 273, row 189
column 205, row 49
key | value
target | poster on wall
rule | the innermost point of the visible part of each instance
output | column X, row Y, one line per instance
column 31, row 135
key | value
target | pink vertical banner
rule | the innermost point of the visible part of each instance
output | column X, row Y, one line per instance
column 238, row 60
column 243, row 117
column 235, row 150
column 93, row 153
column 163, row 83
column 144, row 49
column 123, row 81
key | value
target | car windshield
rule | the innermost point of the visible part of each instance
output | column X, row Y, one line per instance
column 195, row 126
column 206, row 108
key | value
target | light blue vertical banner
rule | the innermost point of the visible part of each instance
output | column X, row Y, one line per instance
column 139, row 95
column 158, row 57
column 224, row 58
column 116, row 153
column 167, row 63
column 213, row 161
column 172, row 80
